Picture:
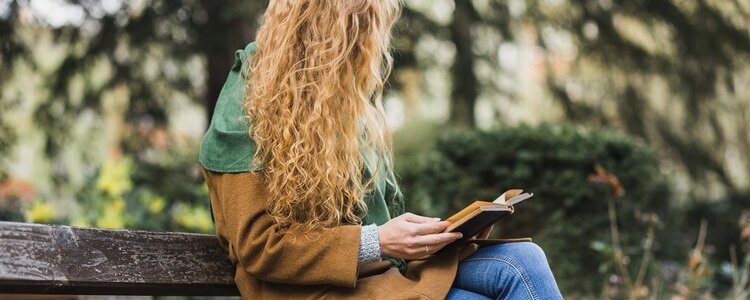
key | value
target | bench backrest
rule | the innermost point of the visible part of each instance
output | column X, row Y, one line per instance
column 52, row 259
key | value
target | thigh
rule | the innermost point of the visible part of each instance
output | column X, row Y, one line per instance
column 508, row 271
column 459, row 294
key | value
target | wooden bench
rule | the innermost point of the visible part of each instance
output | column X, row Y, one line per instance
column 52, row 259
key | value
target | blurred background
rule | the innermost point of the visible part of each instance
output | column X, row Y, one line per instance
column 629, row 120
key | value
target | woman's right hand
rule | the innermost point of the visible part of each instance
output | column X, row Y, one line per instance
column 410, row 236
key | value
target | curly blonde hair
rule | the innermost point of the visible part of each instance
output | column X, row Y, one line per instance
column 315, row 104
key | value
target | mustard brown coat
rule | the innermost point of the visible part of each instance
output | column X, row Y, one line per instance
column 291, row 263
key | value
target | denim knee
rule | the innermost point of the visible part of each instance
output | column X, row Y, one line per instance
column 509, row 271
column 527, row 255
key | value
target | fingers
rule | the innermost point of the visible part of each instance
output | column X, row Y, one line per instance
column 436, row 239
column 425, row 225
column 419, row 219
column 429, row 228
column 434, row 249
column 425, row 246
column 427, row 251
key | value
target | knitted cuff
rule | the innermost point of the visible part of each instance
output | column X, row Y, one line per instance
column 369, row 245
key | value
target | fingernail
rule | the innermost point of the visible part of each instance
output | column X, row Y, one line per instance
column 460, row 235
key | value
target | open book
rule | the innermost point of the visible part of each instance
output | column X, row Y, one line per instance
column 481, row 214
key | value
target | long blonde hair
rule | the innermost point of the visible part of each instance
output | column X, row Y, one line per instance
column 314, row 99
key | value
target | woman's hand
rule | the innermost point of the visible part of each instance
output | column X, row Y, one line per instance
column 410, row 236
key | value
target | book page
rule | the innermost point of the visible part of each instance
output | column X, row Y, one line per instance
column 507, row 195
column 519, row 198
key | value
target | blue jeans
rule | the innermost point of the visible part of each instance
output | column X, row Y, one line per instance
column 505, row 271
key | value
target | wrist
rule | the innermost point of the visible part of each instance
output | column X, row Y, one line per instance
column 369, row 246
column 383, row 250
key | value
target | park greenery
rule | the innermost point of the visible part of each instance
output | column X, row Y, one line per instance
column 629, row 120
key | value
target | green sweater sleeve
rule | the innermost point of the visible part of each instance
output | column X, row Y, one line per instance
column 226, row 146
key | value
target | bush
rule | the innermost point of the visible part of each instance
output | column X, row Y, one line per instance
column 568, row 214
column 15, row 196
column 159, row 195
column 726, row 230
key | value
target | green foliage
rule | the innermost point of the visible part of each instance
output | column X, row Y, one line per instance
column 639, row 47
column 7, row 138
column 568, row 215
column 149, row 52
column 671, row 72
column 11, row 210
column 726, row 230
column 164, row 195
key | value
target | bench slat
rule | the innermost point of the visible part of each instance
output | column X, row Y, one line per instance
column 53, row 259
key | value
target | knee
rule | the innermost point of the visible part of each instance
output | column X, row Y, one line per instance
column 533, row 268
column 527, row 255
column 528, row 249
column 531, row 251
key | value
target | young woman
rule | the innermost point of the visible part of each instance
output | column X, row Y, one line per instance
column 299, row 170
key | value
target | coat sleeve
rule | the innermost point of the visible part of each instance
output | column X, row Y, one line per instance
column 259, row 246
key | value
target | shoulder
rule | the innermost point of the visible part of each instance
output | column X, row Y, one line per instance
column 226, row 146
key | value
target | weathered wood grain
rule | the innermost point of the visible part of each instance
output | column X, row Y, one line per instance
column 51, row 259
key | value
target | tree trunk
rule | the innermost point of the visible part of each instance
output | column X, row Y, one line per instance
column 465, row 84
column 223, row 34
